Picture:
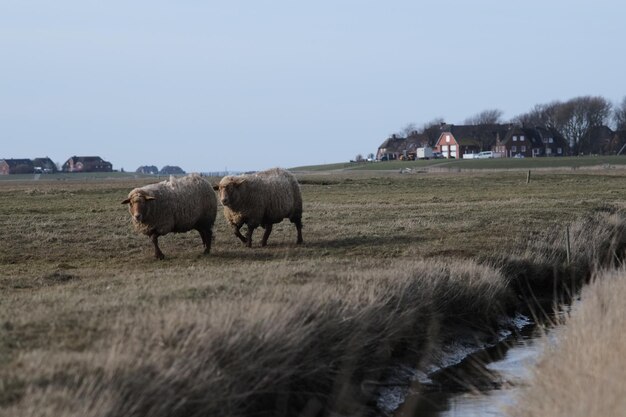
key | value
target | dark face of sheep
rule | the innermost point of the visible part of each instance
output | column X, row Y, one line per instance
column 137, row 205
column 228, row 190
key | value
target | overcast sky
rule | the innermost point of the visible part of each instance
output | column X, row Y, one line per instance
column 248, row 85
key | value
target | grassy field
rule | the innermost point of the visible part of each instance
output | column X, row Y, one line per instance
column 573, row 162
column 91, row 324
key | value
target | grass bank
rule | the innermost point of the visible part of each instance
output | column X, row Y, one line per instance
column 392, row 268
column 582, row 372
column 568, row 162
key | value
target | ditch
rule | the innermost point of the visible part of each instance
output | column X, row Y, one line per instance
column 482, row 383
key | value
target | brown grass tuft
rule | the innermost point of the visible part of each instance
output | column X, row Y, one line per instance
column 279, row 355
column 583, row 372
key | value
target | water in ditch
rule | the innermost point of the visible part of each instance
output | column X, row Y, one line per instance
column 483, row 383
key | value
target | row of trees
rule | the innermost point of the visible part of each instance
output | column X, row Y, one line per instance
column 573, row 118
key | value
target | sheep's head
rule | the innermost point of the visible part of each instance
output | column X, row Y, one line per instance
column 228, row 189
column 137, row 204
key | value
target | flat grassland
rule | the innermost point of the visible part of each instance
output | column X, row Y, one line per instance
column 85, row 306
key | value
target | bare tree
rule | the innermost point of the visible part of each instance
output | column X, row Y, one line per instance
column 407, row 130
column 540, row 115
column 619, row 115
column 578, row 116
column 573, row 119
column 432, row 129
column 486, row 117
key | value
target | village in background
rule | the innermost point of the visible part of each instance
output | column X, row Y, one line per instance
column 45, row 165
column 490, row 140
column 494, row 140
column 576, row 127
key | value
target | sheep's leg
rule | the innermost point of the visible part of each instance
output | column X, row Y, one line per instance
column 298, row 222
column 266, row 235
column 206, row 235
column 157, row 251
column 249, row 236
column 238, row 233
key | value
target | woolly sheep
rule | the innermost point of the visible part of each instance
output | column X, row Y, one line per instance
column 174, row 206
column 261, row 199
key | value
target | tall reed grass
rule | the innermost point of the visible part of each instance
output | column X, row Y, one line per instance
column 582, row 372
column 309, row 354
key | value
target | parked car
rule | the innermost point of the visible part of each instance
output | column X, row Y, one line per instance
column 484, row 155
column 518, row 155
column 437, row 155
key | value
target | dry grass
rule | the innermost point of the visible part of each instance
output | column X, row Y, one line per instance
column 90, row 324
column 269, row 352
column 583, row 372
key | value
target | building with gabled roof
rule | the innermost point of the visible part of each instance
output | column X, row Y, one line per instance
column 391, row 148
column 87, row 164
column 596, row 141
column 520, row 142
column 16, row 166
column 396, row 147
column 44, row 165
column 617, row 145
column 457, row 140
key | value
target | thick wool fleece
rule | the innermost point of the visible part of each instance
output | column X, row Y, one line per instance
column 264, row 198
column 179, row 205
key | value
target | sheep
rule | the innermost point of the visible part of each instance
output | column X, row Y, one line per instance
column 174, row 206
column 261, row 199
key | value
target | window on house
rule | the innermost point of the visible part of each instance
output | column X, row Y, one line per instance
column 523, row 148
column 559, row 150
column 550, row 140
column 514, row 138
column 447, row 138
column 521, row 138
column 548, row 151
column 514, row 148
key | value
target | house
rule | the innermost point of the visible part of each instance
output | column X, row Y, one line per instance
column 16, row 166
column 391, row 148
column 455, row 141
column 596, row 141
column 617, row 144
column 171, row 170
column 147, row 169
column 531, row 142
column 396, row 147
column 87, row 164
column 413, row 142
column 554, row 144
column 44, row 165
column 519, row 142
